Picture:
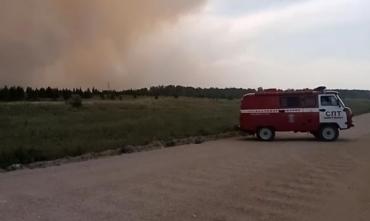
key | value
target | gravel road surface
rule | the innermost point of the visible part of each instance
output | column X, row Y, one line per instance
column 293, row 178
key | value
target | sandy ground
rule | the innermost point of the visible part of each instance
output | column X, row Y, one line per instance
column 293, row 178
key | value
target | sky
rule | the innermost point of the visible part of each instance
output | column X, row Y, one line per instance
column 209, row 43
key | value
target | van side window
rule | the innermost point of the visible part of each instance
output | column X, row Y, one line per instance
column 290, row 102
column 329, row 101
column 309, row 101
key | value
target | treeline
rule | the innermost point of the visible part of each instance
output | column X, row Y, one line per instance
column 354, row 94
column 8, row 94
column 37, row 94
column 180, row 91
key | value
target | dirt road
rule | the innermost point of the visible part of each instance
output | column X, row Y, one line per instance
column 293, row 178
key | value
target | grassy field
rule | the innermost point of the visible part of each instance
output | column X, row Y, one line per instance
column 359, row 106
column 32, row 132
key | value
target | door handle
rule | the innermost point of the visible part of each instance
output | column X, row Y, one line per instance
column 322, row 110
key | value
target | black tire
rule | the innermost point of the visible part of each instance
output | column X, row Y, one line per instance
column 329, row 133
column 265, row 134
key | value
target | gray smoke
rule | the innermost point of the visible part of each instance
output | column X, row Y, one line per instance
column 76, row 42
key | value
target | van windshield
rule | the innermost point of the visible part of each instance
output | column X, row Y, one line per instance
column 341, row 101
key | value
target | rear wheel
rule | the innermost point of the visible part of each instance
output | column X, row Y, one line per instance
column 329, row 133
column 266, row 134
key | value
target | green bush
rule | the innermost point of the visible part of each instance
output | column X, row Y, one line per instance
column 75, row 101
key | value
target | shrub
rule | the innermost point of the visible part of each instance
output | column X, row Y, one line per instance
column 75, row 101
column 199, row 140
column 112, row 97
column 128, row 149
column 170, row 143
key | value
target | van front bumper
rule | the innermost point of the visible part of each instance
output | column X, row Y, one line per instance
column 349, row 125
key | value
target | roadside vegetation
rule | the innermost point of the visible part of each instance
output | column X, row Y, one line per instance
column 359, row 106
column 31, row 132
column 47, row 124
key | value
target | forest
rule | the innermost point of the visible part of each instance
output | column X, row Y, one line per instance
column 17, row 93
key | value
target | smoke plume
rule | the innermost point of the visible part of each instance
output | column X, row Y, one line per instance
column 76, row 42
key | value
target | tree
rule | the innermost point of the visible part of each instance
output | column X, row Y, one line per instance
column 4, row 94
column 30, row 94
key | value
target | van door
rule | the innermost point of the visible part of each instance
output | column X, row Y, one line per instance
column 288, row 115
column 299, row 113
column 310, row 117
column 332, row 111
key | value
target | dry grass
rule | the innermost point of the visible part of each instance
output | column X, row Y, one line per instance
column 31, row 132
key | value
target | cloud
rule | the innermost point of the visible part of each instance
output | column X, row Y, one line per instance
column 267, row 47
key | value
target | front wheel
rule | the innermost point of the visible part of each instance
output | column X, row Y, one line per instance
column 266, row 134
column 329, row 133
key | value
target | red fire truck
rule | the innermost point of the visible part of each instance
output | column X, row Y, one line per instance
column 319, row 111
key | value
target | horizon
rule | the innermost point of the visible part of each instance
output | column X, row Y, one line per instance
column 184, row 86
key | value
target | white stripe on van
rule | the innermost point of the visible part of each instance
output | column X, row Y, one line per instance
column 271, row 111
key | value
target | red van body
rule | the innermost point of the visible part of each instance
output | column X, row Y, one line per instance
column 297, row 111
